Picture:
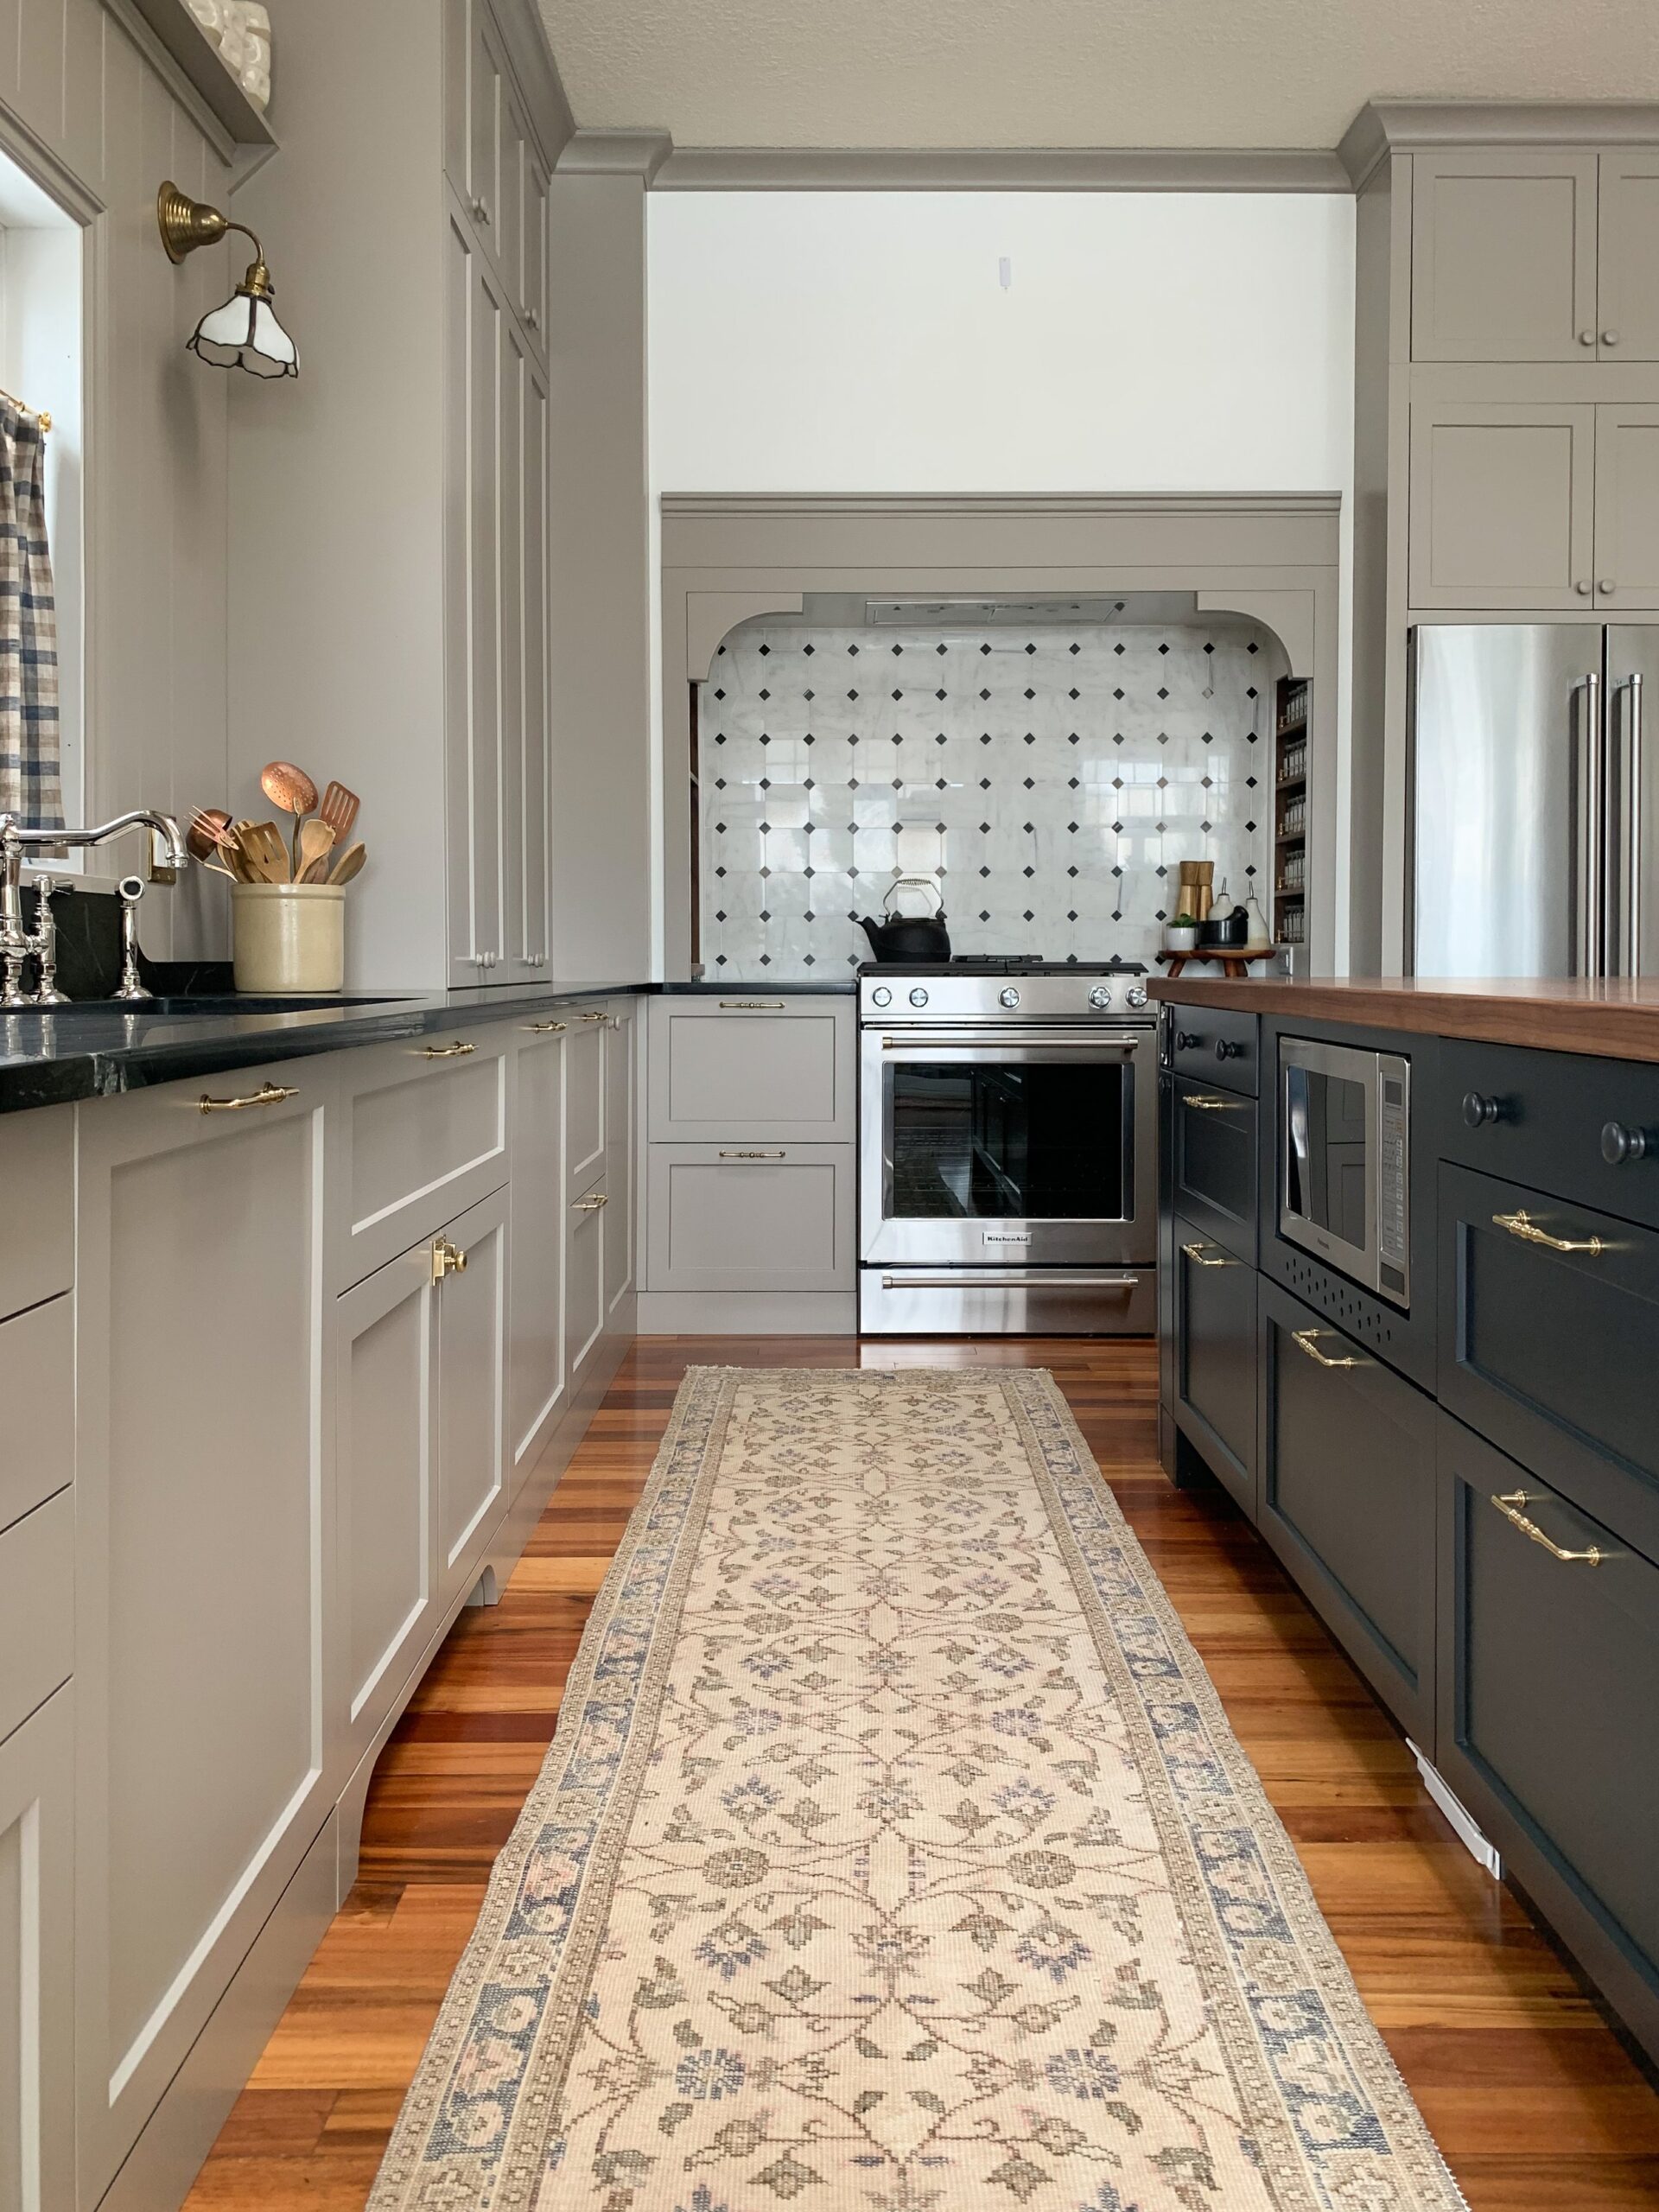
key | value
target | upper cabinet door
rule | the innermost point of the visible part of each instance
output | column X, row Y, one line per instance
column 1629, row 328
column 486, row 110
column 537, row 192
column 1503, row 256
column 1503, row 504
column 1627, row 506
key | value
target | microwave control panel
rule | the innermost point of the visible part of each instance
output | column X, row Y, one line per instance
column 1394, row 1173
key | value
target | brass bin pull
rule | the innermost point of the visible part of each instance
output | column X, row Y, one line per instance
column 754, row 1155
column 591, row 1204
column 448, row 1259
column 1196, row 1252
column 1509, row 1507
column 456, row 1051
column 752, row 1006
column 1210, row 1105
column 268, row 1094
column 1522, row 1224
column 596, row 1017
column 1307, row 1340
column 545, row 1029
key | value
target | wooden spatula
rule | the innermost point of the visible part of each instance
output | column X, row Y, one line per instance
column 265, row 852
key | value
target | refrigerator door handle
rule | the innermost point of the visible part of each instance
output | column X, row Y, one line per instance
column 1590, row 765
column 1633, row 804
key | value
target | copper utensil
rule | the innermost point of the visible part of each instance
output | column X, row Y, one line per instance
column 349, row 864
column 293, row 790
column 338, row 811
column 212, row 839
column 316, row 843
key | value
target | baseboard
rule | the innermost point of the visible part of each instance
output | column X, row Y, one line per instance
column 748, row 1313
column 158, row 2171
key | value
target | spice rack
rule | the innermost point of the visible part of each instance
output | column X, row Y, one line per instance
column 1290, row 735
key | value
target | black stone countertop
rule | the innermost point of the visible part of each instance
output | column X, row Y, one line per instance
column 785, row 987
column 98, row 1048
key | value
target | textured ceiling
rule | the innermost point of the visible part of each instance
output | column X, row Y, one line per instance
column 1076, row 72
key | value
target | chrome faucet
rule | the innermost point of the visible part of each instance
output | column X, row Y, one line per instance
column 18, row 943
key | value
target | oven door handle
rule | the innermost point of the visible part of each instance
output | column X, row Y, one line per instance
column 1022, row 1039
column 980, row 1278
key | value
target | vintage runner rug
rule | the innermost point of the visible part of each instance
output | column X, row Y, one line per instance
column 894, row 1855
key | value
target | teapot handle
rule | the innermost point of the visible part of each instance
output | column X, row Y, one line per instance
column 924, row 882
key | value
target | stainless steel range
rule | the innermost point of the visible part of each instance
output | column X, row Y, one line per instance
column 1008, row 1165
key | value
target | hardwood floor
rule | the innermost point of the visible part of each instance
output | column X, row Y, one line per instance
column 1533, row 2099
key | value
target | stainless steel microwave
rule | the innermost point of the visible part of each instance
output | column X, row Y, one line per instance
column 1345, row 1160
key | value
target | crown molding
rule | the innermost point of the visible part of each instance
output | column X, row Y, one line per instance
column 1013, row 168
column 616, row 153
column 685, row 505
column 1402, row 126
column 530, row 52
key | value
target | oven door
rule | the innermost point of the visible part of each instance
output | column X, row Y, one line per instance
column 1328, row 1154
column 1025, row 1145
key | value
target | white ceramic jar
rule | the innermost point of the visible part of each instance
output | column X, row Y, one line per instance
column 289, row 938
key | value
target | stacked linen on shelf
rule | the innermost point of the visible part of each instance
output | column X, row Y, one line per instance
column 241, row 31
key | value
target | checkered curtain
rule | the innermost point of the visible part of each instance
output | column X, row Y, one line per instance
column 30, row 781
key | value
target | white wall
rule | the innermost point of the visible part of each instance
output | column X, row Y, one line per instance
column 865, row 342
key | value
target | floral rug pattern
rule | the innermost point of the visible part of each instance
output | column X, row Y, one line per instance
column 893, row 1855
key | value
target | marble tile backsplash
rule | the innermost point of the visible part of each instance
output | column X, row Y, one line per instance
column 1050, row 781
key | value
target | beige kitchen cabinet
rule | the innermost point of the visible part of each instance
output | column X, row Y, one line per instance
column 584, row 1098
column 750, row 1065
column 1504, row 256
column 1629, row 256
column 204, row 1543
column 1503, row 504
column 37, row 2062
column 37, row 1173
column 536, row 1397
column 585, row 1311
column 621, row 1107
column 37, row 1608
column 1627, row 505
column 37, row 1388
column 472, row 1394
column 421, row 1135
column 747, row 1217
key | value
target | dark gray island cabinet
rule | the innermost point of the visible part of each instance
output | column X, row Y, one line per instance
column 1464, row 1481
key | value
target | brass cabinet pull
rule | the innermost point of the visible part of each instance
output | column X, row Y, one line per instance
column 591, row 1204
column 268, row 1094
column 752, row 1006
column 455, row 1051
column 1307, row 1340
column 1199, row 1259
column 545, row 1029
column 1509, row 1507
column 1522, row 1224
column 754, row 1155
column 1211, row 1105
column 600, row 1016
column 448, row 1259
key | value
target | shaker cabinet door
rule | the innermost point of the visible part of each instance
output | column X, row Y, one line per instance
column 205, row 1543
column 1503, row 256
column 37, row 2062
column 516, row 963
column 1628, row 322
column 621, row 1042
column 584, row 1280
column 472, row 1450
column 1627, row 506
column 1215, row 1359
column 536, row 1376
column 1503, row 504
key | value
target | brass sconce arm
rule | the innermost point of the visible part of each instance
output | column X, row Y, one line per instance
column 186, row 224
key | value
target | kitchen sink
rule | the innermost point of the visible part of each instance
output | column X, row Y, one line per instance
column 234, row 1003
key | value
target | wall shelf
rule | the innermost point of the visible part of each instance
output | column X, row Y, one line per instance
column 244, row 132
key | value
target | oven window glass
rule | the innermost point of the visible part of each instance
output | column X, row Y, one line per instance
column 1328, row 1177
column 1016, row 1142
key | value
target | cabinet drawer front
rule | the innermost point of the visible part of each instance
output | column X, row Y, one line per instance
column 37, row 1388
column 425, row 1134
column 1215, row 1376
column 1209, row 1047
column 1549, row 1718
column 1538, row 1118
column 37, row 1173
column 37, row 1608
column 751, row 1067
column 1550, row 1353
column 1347, row 1498
column 722, row 1221
column 1214, row 1141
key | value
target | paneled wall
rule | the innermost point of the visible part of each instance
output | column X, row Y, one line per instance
column 1049, row 778
column 86, row 112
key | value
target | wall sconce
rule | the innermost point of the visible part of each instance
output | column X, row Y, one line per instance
column 245, row 333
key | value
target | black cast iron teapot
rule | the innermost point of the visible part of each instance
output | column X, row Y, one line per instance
column 900, row 940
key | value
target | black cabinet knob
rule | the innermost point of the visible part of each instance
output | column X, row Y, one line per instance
column 1227, row 1052
column 1478, row 1111
column 1619, row 1144
column 1185, row 1041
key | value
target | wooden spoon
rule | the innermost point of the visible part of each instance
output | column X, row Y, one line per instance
column 292, row 790
column 316, row 843
column 349, row 864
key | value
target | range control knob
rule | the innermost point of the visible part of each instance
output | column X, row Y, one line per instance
column 1009, row 997
column 1101, row 997
column 880, row 996
column 1137, row 995
column 919, row 996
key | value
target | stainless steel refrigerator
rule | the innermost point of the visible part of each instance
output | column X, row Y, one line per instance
column 1534, row 836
